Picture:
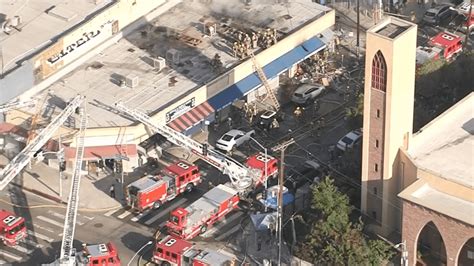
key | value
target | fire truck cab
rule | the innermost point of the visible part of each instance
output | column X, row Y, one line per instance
column 195, row 219
column 257, row 161
column 444, row 45
column 174, row 251
column 12, row 228
column 98, row 254
column 153, row 191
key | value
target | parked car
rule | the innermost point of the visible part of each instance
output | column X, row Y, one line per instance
column 266, row 118
column 437, row 14
column 310, row 172
column 349, row 140
column 233, row 139
column 306, row 93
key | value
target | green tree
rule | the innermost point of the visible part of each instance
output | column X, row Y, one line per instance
column 334, row 239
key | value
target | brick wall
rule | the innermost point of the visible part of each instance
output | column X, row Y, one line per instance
column 454, row 233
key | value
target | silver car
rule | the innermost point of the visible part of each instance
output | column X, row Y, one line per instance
column 307, row 92
column 233, row 139
column 437, row 14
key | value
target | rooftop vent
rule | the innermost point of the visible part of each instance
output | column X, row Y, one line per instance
column 61, row 12
column 173, row 56
column 159, row 63
column 131, row 81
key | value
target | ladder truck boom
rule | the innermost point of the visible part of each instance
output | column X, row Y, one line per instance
column 67, row 255
column 17, row 104
column 24, row 157
column 240, row 176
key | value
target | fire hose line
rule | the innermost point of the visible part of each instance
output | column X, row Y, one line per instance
column 59, row 207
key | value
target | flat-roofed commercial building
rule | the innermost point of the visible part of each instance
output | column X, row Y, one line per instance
column 168, row 70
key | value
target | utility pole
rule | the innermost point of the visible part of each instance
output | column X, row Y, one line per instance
column 281, row 147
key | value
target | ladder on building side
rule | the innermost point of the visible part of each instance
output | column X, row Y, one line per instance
column 67, row 256
column 263, row 78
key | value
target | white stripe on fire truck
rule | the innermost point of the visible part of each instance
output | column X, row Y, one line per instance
column 166, row 211
column 224, row 222
column 125, row 214
column 9, row 255
column 51, row 221
column 40, row 236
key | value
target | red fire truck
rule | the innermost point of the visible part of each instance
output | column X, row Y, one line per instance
column 174, row 251
column 12, row 228
column 445, row 46
column 257, row 161
column 98, row 254
column 195, row 219
column 153, row 191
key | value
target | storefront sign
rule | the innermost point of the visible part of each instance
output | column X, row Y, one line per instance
column 181, row 109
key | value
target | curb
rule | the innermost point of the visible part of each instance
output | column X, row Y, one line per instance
column 41, row 194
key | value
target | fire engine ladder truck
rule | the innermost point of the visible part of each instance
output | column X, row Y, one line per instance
column 67, row 255
column 263, row 78
column 240, row 176
column 17, row 104
column 23, row 158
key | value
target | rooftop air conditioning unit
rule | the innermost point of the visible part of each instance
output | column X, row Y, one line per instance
column 173, row 55
column 131, row 81
column 159, row 63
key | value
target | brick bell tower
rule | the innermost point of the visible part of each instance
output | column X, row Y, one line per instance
column 388, row 118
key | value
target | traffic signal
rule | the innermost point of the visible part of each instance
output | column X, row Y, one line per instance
column 204, row 149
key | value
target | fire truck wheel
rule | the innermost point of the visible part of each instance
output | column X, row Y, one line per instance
column 157, row 204
column 203, row 229
column 165, row 263
column 189, row 187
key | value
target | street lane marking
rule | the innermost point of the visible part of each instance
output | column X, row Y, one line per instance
column 22, row 249
column 32, row 243
column 51, row 221
column 63, row 217
column 164, row 212
column 9, row 255
column 125, row 214
column 139, row 216
column 40, row 236
column 224, row 222
column 111, row 212
column 44, row 228
column 226, row 234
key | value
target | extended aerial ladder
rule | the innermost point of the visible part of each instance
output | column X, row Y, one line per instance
column 67, row 255
column 263, row 78
column 23, row 158
column 17, row 104
column 241, row 177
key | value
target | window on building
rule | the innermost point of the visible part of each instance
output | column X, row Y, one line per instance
column 378, row 113
column 376, row 143
column 376, row 167
column 374, row 215
column 379, row 72
column 375, row 191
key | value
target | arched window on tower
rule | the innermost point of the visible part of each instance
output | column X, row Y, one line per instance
column 379, row 72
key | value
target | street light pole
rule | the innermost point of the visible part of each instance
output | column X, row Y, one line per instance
column 147, row 243
column 404, row 257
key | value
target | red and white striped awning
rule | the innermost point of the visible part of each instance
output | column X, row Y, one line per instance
column 191, row 117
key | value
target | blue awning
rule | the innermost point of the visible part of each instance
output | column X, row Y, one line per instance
column 271, row 70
